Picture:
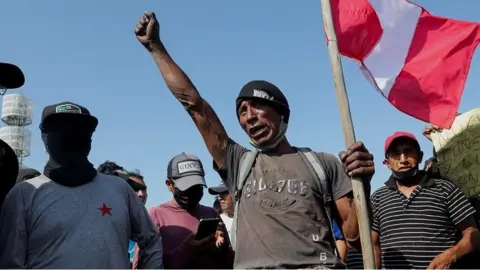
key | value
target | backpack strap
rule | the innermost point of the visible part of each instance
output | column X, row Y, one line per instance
column 244, row 169
column 313, row 163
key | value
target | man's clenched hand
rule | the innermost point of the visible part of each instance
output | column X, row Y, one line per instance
column 147, row 30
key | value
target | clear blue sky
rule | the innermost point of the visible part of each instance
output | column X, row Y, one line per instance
column 86, row 52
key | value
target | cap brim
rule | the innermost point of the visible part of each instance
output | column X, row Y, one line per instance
column 217, row 190
column 11, row 76
column 89, row 121
column 189, row 181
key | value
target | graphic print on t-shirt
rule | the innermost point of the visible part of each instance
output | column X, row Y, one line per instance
column 282, row 193
column 278, row 188
column 282, row 189
column 105, row 210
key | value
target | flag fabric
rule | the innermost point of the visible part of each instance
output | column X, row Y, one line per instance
column 417, row 61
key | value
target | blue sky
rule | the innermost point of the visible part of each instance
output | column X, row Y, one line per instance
column 86, row 52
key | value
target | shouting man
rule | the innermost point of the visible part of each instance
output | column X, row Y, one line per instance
column 282, row 222
column 72, row 216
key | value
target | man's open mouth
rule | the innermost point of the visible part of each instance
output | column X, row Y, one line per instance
column 257, row 130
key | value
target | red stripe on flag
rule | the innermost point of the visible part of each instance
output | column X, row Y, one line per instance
column 431, row 84
column 357, row 26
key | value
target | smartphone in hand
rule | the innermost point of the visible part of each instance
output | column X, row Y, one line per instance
column 207, row 227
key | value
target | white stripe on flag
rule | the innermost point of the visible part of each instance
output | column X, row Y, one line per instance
column 399, row 20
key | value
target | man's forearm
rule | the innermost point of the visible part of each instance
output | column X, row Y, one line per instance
column 378, row 256
column 352, row 229
column 468, row 244
column 176, row 80
column 203, row 115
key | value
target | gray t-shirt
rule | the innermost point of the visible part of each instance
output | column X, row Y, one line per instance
column 47, row 225
column 282, row 221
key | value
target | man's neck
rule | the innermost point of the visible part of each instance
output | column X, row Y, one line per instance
column 414, row 182
column 283, row 147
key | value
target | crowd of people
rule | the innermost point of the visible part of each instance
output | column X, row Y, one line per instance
column 278, row 206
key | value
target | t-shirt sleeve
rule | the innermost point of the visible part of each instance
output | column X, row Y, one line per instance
column 14, row 232
column 459, row 208
column 145, row 234
column 231, row 163
column 340, row 181
column 136, row 259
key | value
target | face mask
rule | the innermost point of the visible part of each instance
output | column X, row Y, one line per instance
column 68, row 164
column 189, row 198
column 406, row 177
column 68, row 147
column 275, row 141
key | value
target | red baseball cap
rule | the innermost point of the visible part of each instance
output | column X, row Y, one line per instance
column 398, row 135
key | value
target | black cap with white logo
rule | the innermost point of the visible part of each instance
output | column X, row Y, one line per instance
column 266, row 92
column 72, row 110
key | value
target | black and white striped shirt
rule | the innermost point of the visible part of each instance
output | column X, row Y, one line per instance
column 413, row 231
column 354, row 259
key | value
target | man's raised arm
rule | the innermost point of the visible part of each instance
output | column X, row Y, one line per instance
column 207, row 121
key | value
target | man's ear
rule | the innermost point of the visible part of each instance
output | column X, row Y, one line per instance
column 420, row 157
column 385, row 162
column 169, row 184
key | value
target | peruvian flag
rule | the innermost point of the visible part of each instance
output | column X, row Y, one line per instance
column 417, row 61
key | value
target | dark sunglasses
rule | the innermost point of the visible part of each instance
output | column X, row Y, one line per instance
column 136, row 186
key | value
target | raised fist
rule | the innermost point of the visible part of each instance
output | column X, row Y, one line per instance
column 147, row 30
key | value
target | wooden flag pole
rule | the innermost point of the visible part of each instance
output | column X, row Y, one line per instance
column 349, row 133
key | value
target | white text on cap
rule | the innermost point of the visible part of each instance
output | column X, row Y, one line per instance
column 189, row 166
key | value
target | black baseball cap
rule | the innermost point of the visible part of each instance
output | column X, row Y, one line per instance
column 11, row 76
column 73, row 111
column 266, row 92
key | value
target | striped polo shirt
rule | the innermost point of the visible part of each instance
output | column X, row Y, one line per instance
column 354, row 259
column 414, row 230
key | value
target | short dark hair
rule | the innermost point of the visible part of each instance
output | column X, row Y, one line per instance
column 109, row 167
column 136, row 173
